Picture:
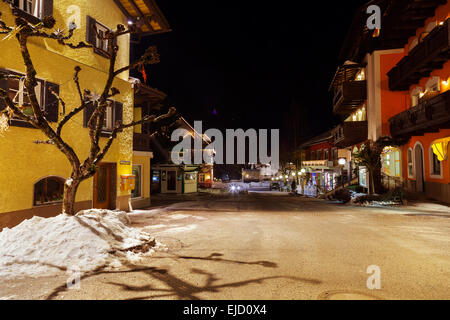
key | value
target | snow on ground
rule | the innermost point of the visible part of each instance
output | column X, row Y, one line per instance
column 91, row 239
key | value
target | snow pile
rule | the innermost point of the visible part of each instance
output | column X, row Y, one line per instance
column 85, row 242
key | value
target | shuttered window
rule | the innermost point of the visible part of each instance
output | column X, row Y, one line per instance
column 114, row 114
column 94, row 28
column 18, row 93
column 33, row 10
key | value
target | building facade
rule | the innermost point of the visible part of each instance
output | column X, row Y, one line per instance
column 37, row 172
column 422, row 117
column 388, row 75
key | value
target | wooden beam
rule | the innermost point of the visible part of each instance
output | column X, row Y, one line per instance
column 135, row 7
column 121, row 7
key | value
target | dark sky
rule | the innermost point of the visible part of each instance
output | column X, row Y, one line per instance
column 256, row 63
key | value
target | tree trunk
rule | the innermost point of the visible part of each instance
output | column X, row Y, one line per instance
column 70, row 192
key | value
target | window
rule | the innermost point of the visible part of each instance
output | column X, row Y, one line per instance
column 410, row 163
column 113, row 115
column 313, row 155
column 101, row 44
column 19, row 94
column 190, row 177
column 391, row 161
column 48, row 191
column 327, row 155
column 95, row 31
column 32, row 7
column 319, row 155
column 335, row 154
column 15, row 86
column 432, row 84
column 435, row 165
column 108, row 124
column 416, row 94
column 137, row 171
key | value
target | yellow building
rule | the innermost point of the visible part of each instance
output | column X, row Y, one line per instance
column 32, row 174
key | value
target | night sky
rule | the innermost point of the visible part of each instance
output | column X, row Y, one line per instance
column 252, row 64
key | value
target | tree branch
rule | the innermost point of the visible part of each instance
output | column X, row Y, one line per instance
column 150, row 56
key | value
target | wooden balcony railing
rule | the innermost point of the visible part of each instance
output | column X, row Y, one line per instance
column 428, row 55
column 429, row 116
column 141, row 142
column 350, row 133
column 349, row 96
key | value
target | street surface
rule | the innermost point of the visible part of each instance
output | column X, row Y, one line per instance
column 272, row 246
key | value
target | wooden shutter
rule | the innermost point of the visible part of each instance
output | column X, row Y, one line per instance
column 51, row 107
column 91, row 36
column 4, row 86
column 88, row 111
column 47, row 10
column 118, row 113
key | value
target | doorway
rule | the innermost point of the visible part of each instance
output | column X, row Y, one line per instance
column 105, row 187
column 418, row 156
column 171, row 180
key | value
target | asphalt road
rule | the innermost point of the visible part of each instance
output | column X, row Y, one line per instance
column 274, row 246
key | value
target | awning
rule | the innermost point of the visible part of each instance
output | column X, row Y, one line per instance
column 440, row 148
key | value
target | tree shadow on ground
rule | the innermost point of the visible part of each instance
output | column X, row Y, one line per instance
column 174, row 286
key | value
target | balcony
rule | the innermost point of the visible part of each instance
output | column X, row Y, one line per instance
column 429, row 116
column 349, row 96
column 141, row 142
column 350, row 133
column 318, row 164
column 428, row 55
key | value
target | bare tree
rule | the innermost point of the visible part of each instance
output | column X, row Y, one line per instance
column 23, row 30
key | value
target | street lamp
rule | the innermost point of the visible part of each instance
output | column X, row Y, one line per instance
column 342, row 161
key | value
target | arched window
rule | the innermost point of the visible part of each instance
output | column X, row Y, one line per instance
column 48, row 191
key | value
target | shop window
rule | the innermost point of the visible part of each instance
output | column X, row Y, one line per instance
column 190, row 177
column 48, row 191
column 435, row 165
column 137, row 192
column 410, row 163
column 391, row 161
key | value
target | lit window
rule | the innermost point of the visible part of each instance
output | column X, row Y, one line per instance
column 49, row 190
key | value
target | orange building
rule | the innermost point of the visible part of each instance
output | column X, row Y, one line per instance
column 421, row 77
column 377, row 83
